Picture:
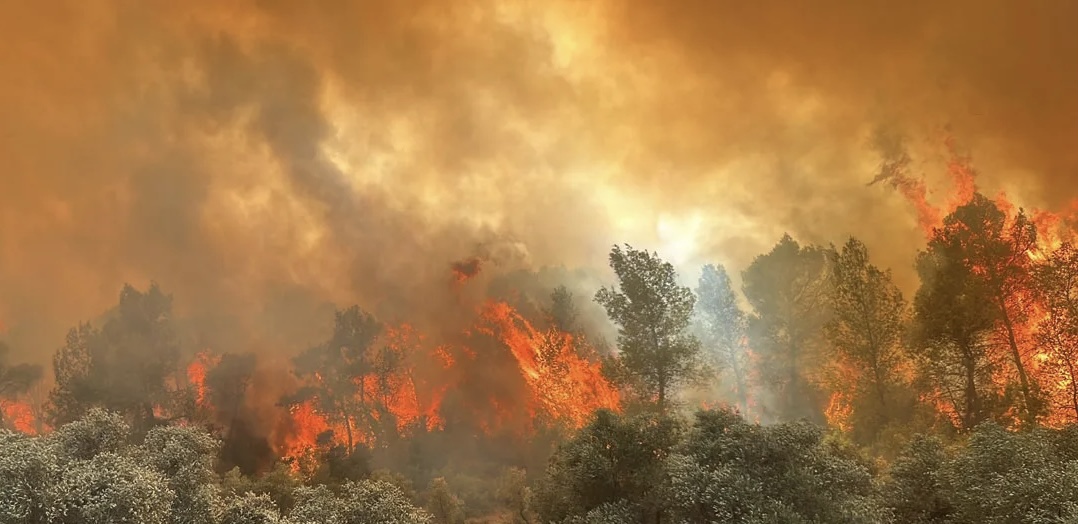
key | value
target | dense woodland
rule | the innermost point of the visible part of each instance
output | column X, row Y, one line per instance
column 819, row 394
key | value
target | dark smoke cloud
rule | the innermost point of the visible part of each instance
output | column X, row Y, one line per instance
column 264, row 160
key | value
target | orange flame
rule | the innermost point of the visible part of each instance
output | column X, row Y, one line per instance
column 564, row 385
column 20, row 416
column 196, row 375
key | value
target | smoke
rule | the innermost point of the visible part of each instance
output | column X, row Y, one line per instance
column 264, row 160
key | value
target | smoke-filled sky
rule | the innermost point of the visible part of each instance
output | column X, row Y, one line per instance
column 262, row 159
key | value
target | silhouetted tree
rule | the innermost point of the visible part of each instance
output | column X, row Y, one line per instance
column 787, row 288
column 124, row 366
column 994, row 251
column 653, row 314
column 865, row 331
column 950, row 337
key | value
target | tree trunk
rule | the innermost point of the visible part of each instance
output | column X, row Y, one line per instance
column 972, row 414
column 1016, row 355
column 739, row 380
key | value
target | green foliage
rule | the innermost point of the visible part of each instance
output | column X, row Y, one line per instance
column 915, row 489
column 787, row 288
column 781, row 473
column 109, row 488
column 611, row 459
column 186, row 457
column 364, row 502
column 278, row 484
column 98, row 432
column 251, row 509
column 443, row 505
column 653, row 314
column 28, row 467
column 516, row 496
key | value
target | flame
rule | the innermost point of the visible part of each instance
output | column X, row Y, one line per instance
column 1044, row 359
column 196, row 375
column 464, row 270
column 564, row 385
column 20, row 417
column 839, row 409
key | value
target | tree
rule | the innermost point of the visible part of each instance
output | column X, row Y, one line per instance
column 994, row 251
column 337, row 371
column 612, row 459
column 950, row 337
column 866, row 329
column 122, row 367
column 15, row 380
column 109, row 488
column 563, row 313
column 363, row 502
column 251, row 509
column 728, row 470
column 787, row 289
column 653, row 314
column 1057, row 285
column 185, row 456
column 724, row 327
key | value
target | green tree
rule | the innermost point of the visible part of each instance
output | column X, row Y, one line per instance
column 185, row 456
column 916, row 489
column 787, row 289
column 615, row 458
column 724, row 327
column 866, row 331
column 124, row 367
column 653, row 314
column 994, row 251
column 733, row 471
column 563, row 313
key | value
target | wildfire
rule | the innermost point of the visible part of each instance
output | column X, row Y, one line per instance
column 838, row 411
column 20, row 417
column 1041, row 357
column 564, row 385
column 196, row 375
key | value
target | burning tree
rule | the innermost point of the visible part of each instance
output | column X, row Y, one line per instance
column 989, row 256
column 1057, row 284
column 15, row 381
column 337, row 370
column 865, row 332
column 787, row 288
column 653, row 314
column 951, row 334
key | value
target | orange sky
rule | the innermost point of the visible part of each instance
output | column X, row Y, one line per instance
column 261, row 158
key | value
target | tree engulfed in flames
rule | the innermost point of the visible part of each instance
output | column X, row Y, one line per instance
column 564, row 387
column 1048, row 359
column 20, row 416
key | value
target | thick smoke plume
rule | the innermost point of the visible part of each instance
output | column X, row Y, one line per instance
column 265, row 160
